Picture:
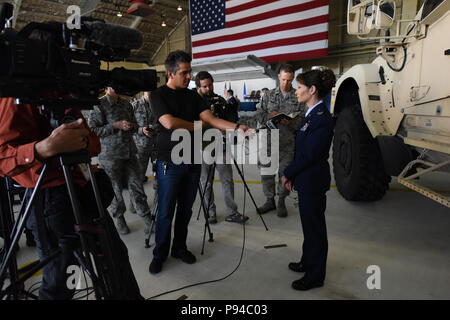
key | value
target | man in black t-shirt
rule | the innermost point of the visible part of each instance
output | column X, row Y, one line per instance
column 176, row 107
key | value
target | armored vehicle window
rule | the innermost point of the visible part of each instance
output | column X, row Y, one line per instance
column 369, row 10
column 429, row 6
column 388, row 9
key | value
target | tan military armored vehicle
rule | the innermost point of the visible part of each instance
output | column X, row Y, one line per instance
column 393, row 115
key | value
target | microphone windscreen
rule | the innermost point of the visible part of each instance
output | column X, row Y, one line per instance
column 114, row 35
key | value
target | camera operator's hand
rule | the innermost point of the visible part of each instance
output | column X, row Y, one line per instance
column 68, row 137
column 123, row 125
column 147, row 132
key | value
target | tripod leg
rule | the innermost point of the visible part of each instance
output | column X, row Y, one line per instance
column 6, row 224
column 206, row 216
column 201, row 197
column 202, row 192
column 248, row 190
column 210, row 180
column 21, row 226
column 99, row 292
column 22, row 209
column 29, row 274
column 112, row 275
column 207, row 226
column 153, row 217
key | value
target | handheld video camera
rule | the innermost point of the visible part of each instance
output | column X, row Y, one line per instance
column 50, row 64
column 219, row 107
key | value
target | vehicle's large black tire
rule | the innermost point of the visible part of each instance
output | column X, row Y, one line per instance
column 357, row 161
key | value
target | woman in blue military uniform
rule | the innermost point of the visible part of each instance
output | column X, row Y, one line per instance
column 309, row 174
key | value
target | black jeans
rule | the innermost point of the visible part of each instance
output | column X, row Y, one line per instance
column 53, row 204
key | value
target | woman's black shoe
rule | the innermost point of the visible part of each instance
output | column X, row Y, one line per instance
column 304, row 285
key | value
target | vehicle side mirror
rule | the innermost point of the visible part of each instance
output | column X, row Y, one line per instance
column 385, row 15
column 360, row 17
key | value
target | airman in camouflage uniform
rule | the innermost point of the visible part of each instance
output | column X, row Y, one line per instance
column 280, row 100
column 114, row 123
column 144, row 138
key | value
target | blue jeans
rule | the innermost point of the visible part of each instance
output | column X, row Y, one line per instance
column 52, row 219
column 177, row 186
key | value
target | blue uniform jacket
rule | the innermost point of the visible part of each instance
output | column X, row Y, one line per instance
column 310, row 171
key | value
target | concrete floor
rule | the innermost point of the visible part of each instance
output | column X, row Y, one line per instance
column 405, row 234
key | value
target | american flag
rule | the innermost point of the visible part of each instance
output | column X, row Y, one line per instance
column 272, row 30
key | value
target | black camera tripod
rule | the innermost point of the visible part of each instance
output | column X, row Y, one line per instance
column 205, row 209
column 211, row 171
column 91, row 248
column 6, row 228
column 91, row 245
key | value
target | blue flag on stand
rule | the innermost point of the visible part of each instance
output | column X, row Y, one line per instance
column 245, row 92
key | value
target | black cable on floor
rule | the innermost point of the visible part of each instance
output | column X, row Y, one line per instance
column 31, row 290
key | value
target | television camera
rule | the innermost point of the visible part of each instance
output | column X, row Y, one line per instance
column 56, row 68
column 219, row 107
column 50, row 64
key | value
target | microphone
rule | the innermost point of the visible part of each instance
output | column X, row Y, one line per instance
column 113, row 35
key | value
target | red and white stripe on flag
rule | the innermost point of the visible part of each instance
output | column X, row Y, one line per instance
column 272, row 30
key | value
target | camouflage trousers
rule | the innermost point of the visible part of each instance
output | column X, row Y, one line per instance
column 131, row 170
column 268, row 181
column 143, row 157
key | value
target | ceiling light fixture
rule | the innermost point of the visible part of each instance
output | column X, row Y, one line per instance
column 119, row 12
column 163, row 17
